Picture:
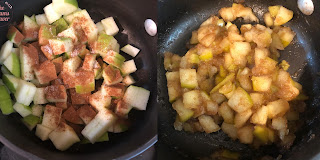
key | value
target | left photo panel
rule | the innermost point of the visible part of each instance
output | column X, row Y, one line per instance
column 78, row 79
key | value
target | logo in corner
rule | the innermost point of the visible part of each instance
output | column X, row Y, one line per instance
column 6, row 13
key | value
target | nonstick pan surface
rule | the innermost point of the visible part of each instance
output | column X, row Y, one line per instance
column 130, row 16
column 179, row 18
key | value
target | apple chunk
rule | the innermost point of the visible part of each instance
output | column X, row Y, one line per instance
column 40, row 97
column 14, row 35
column 63, row 137
column 85, row 82
column 100, row 100
column 136, row 97
column 71, row 116
column 13, row 64
column 86, row 113
column 25, row 92
column 111, row 75
column 56, row 93
column 43, row 132
column 104, row 44
column 46, row 32
column 114, row 58
column 77, row 98
column 61, row 45
column 51, row 116
column 28, row 58
column 5, row 101
column 99, row 125
column 45, row 72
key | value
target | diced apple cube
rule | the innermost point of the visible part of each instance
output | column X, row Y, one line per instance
column 46, row 32
column 188, row 78
column 115, row 91
column 43, row 132
column 56, row 93
column 63, row 137
column 71, row 115
column 192, row 99
column 69, row 33
column 114, row 58
column 240, row 100
column 62, row 105
column 30, row 121
column 85, row 81
column 89, row 62
column 111, row 75
column 239, row 51
column 129, row 49
column 110, row 26
column 277, row 108
column 104, row 44
column 260, row 116
column 30, row 29
column 37, row 110
column 226, row 113
column 14, row 35
column 86, row 113
column 71, row 65
column 128, row 80
column 99, row 125
column 83, row 19
column 12, row 63
column 5, row 101
column 5, row 51
column 60, row 25
column 100, row 27
column 47, row 51
column 23, row 110
column 245, row 134
column 128, row 67
column 58, row 63
column 61, row 45
column 41, row 19
column 45, row 72
column 261, row 83
column 28, row 58
column 11, row 82
column 51, row 14
column 25, row 92
column 208, row 124
column 122, row 109
column 51, row 116
column 100, row 100
column 241, row 118
column 283, row 16
column 229, row 129
column 77, row 98
column 39, row 96
column 137, row 97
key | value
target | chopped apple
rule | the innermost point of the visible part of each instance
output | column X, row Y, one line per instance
column 23, row 110
column 111, row 75
column 110, row 26
column 71, row 65
column 261, row 83
column 230, row 129
column 100, row 27
column 114, row 59
column 5, row 101
column 104, row 44
column 41, row 19
column 89, row 62
column 56, row 93
column 115, row 91
column 71, row 115
column 51, row 116
column 85, row 82
column 30, row 121
column 78, row 99
column 128, row 67
column 43, row 132
column 46, row 32
column 63, row 137
column 99, row 125
column 208, row 124
column 129, row 49
column 30, row 29
column 274, row 10
column 11, row 82
column 28, row 58
column 12, row 63
column 37, row 110
column 45, row 72
column 122, row 109
column 241, row 118
column 5, row 51
column 51, row 14
column 245, row 134
column 65, row 7
column 62, row 105
column 286, row 36
column 239, row 51
column 39, row 96
column 277, row 108
column 100, row 100
column 60, row 25
column 188, row 78
column 260, row 116
column 58, row 63
column 240, row 100
column 86, row 113
column 283, row 16
column 128, row 80
column 25, row 92
column 61, row 45
column 69, row 33
column 14, row 35
column 136, row 97
column 47, row 51
column 226, row 113
column 192, row 99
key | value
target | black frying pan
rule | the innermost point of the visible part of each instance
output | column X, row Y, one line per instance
column 178, row 18
column 130, row 16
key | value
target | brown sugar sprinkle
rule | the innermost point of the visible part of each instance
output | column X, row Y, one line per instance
column 57, row 81
column 56, row 92
column 47, row 51
column 55, row 114
column 77, row 98
column 45, row 72
column 58, row 63
column 71, row 115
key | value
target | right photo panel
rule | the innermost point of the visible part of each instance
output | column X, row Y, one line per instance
column 238, row 79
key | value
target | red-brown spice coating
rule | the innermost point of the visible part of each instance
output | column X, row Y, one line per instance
column 42, row 57
column 71, row 115
column 58, row 63
column 18, row 35
column 47, row 51
column 55, row 114
column 77, row 98
column 45, row 72
column 86, row 113
column 56, row 93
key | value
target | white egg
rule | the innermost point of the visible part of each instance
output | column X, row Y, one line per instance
column 150, row 26
column 306, row 6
